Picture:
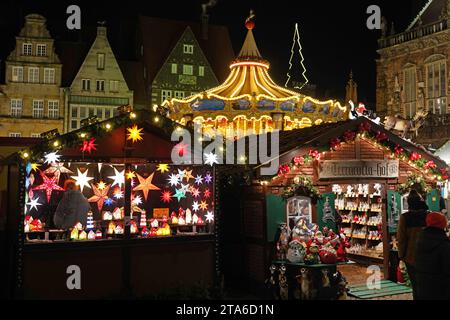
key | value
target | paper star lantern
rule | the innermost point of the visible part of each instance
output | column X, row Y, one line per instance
column 208, row 178
column 174, row 180
column 211, row 159
column 209, row 217
column 88, row 146
column 145, row 185
column 82, row 179
column 195, row 206
column 134, row 134
column 195, row 192
column 203, row 205
column 49, row 185
column 51, row 158
column 118, row 193
column 130, row 175
column 136, row 200
column 181, row 174
column 163, row 168
column 166, row 196
column 119, row 178
column 101, row 185
column 188, row 175
column 99, row 196
column 198, row 180
column 185, row 188
column 207, row 193
column 179, row 194
column 56, row 169
column 33, row 203
column 109, row 202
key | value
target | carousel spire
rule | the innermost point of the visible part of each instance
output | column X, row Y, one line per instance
column 250, row 49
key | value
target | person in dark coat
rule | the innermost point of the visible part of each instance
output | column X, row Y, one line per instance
column 409, row 226
column 433, row 260
column 72, row 208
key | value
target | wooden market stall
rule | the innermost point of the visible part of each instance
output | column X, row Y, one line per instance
column 150, row 225
column 351, row 177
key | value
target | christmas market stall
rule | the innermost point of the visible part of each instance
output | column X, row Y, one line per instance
column 103, row 212
column 338, row 196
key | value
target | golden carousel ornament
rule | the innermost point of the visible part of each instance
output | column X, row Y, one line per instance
column 249, row 101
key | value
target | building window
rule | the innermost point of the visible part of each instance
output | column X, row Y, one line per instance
column 16, row 108
column 100, row 85
column 179, row 94
column 74, row 124
column 53, row 109
column 100, row 61
column 27, row 49
column 436, row 87
column 86, row 84
column 33, row 75
column 188, row 49
column 410, row 84
column 174, row 68
column 17, row 74
column 75, row 112
column 35, row 135
column 38, row 109
column 83, row 113
column 188, row 69
column 41, row 50
column 201, row 71
column 165, row 95
column 15, row 135
column 114, row 86
column 49, row 75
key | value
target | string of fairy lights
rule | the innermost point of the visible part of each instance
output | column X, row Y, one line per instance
column 296, row 41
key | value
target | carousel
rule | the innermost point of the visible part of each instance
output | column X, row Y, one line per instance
column 249, row 101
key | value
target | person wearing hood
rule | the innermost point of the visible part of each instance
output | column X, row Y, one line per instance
column 72, row 208
column 433, row 260
column 409, row 226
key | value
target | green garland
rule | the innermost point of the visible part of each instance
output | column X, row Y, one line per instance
column 416, row 182
column 302, row 186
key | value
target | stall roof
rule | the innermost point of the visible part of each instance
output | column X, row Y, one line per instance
column 111, row 143
column 444, row 152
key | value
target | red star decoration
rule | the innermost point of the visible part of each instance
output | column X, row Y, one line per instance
column 99, row 196
column 88, row 146
column 49, row 185
column 166, row 196
column 207, row 193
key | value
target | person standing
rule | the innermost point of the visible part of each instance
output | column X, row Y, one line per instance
column 433, row 260
column 409, row 226
column 72, row 208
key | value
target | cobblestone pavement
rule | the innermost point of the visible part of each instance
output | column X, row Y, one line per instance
column 356, row 274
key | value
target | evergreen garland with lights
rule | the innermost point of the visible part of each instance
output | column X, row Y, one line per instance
column 302, row 186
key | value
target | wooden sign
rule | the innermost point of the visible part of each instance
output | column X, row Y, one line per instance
column 159, row 213
column 332, row 169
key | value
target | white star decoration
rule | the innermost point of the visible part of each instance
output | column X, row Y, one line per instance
column 82, row 179
column 209, row 216
column 34, row 203
column 211, row 159
column 198, row 180
column 52, row 158
column 195, row 206
column 181, row 174
column 174, row 180
column 185, row 188
column 137, row 200
column 119, row 178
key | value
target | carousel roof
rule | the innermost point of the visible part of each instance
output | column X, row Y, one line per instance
column 249, row 87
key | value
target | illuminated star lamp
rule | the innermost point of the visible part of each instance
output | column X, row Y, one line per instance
column 174, row 180
column 88, row 146
column 119, row 178
column 211, row 159
column 188, row 175
column 198, row 180
column 145, row 185
column 209, row 217
column 52, row 158
column 49, row 185
column 203, row 205
column 166, row 196
column 134, row 134
column 195, row 206
column 207, row 193
column 33, row 203
column 82, row 179
column 131, row 175
column 179, row 194
column 208, row 178
column 99, row 197
column 163, row 168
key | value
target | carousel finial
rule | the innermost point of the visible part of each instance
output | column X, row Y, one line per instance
column 250, row 23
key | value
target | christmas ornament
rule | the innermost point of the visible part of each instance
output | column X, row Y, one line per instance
column 117, row 214
column 195, row 192
column 133, row 227
column 88, row 146
column 143, row 221
column 195, row 206
column 188, row 175
column 134, row 134
column 33, row 203
column 179, row 194
column 119, row 229
column 91, row 235
column 49, row 185
column 99, row 196
column 334, row 143
column 166, row 196
column 109, row 202
column 145, row 185
column 198, row 180
column 415, row 156
column 90, row 221
column 208, row 178
column 206, row 193
column 131, row 175
column 174, row 180
column 52, row 158
column 296, row 252
column 163, row 168
column 98, row 235
column 203, row 205
column 118, row 177
column 82, row 235
column 211, row 159
column 107, row 216
column 209, row 216
column 136, row 201
column 349, row 136
column 101, row 185
column 74, row 234
column 381, row 136
column 194, row 218
column 82, row 179
column 111, row 228
column 188, row 216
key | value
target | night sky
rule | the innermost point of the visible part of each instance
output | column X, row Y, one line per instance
column 333, row 33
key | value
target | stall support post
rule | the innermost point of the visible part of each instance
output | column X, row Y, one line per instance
column 217, row 214
column 18, row 275
column 126, row 255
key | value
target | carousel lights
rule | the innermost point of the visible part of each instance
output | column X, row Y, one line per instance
column 250, row 64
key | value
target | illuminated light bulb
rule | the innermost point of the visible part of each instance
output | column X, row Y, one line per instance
column 56, row 143
column 26, row 155
column 155, row 108
column 133, row 115
column 156, row 119
column 179, row 129
column 83, row 135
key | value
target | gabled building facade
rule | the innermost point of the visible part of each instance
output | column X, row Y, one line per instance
column 413, row 72
column 32, row 100
column 98, row 87
column 180, row 59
